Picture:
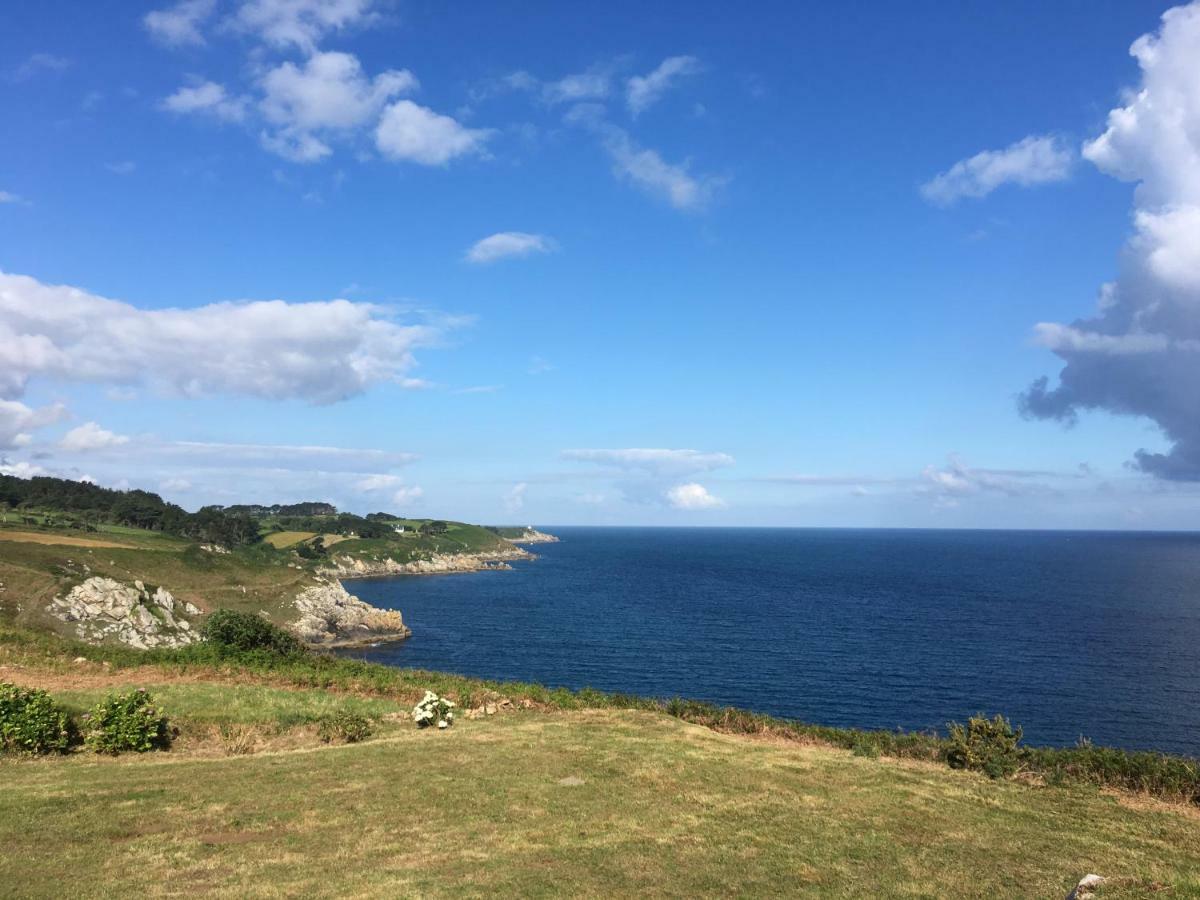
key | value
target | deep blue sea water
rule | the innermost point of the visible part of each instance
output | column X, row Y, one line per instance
column 1069, row 634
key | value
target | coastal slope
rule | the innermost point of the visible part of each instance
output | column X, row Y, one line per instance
column 82, row 577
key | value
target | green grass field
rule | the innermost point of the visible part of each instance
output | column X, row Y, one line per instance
column 538, row 803
column 558, row 793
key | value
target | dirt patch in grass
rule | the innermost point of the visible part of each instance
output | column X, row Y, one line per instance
column 35, row 537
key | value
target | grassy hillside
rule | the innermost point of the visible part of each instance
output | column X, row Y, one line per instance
column 555, row 799
column 43, row 553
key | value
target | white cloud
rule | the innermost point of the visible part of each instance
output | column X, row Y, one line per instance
column 208, row 98
column 377, row 483
column 6, row 197
column 643, row 91
column 301, row 23
column 407, row 495
column 328, row 93
column 644, row 167
column 593, row 84
column 692, row 496
column 125, row 167
column 175, row 485
column 514, row 500
column 652, row 460
column 411, row 133
column 286, row 457
column 649, row 171
column 179, row 25
column 320, row 352
column 1140, row 353
column 956, row 480
column 40, row 62
column 91, row 436
column 508, row 244
column 22, row 469
column 1030, row 161
column 18, row 421
column 402, row 494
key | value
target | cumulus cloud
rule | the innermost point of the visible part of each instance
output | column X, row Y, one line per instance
column 653, row 460
column 411, row 133
column 206, row 98
column 91, row 436
column 1139, row 354
column 1030, row 161
column 643, row 91
column 320, row 352
column 22, row 469
column 692, row 496
column 644, row 167
column 175, row 485
column 301, row 23
column 328, row 94
column 179, row 25
column 507, row 244
column 18, row 421
column 7, row 197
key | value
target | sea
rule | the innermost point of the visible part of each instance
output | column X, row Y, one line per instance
column 1070, row 635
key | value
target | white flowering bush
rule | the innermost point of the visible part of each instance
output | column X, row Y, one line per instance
column 433, row 710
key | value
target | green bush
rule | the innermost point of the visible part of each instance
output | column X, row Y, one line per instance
column 344, row 727
column 984, row 745
column 31, row 723
column 126, row 722
column 237, row 632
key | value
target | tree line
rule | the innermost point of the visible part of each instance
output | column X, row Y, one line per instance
column 135, row 508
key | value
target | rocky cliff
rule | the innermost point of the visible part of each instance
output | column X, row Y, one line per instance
column 435, row 564
column 104, row 609
column 331, row 616
column 533, row 536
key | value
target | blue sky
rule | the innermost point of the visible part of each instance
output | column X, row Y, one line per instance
column 783, row 264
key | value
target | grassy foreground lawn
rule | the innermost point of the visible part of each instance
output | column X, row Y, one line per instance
column 539, row 802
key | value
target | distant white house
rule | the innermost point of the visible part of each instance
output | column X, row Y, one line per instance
column 399, row 529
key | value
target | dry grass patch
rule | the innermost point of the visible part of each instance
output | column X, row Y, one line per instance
column 38, row 537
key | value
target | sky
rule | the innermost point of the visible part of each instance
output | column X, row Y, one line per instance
column 853, row 264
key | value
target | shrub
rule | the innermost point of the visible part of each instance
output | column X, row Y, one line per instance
column 127, row 722
column 984, row 745
column 235, row 632
column 31, row 723
column 345, row 727
column 431, row 709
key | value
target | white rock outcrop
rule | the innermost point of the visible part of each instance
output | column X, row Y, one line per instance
column 104, row 609
column 330, row 615
column 533, row 536
column 434, row 564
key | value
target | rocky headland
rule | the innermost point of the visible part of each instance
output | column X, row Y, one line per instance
column 330, row 616
column 434, row 564
column 533, row 536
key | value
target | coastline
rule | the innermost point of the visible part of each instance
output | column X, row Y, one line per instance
column 436, row 564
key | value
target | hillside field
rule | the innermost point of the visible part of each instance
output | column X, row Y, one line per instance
column 539, row 801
